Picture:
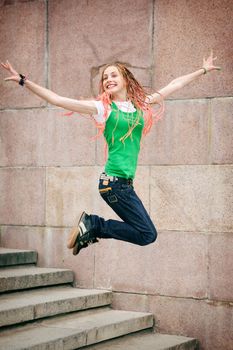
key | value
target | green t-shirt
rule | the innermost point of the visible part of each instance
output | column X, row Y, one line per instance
column 123, row 153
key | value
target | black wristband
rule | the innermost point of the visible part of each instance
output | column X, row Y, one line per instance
column 22, row 79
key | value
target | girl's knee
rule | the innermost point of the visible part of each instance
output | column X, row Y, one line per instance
column 154, row 237
column 149, row 238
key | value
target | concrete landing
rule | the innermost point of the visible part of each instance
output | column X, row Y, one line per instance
column 74, row 330
column 147, row 341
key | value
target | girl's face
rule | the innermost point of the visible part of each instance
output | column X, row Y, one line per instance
column 113, row 81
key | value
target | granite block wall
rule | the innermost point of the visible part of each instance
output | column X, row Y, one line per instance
column 49, row 164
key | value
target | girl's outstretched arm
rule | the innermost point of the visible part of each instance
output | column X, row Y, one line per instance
column 182, row 81
column 86, row 107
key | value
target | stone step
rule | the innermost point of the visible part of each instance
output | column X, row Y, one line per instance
column 10, row 257
column 16, row 278
column 147, row 341
column 32, row 304
column 75, row 330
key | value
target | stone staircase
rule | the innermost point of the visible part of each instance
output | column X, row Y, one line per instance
column 39, row 309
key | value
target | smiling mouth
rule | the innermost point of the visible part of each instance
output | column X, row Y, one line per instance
column 109, row 86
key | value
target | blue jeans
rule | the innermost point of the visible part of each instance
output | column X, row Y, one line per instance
column 136, row 226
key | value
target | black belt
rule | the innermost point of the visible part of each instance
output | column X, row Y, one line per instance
column 104, row 176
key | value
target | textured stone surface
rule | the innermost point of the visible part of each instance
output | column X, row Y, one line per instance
column 23, row 44
column 76, row 330
column 45, row 137
column 147, row 341
column 179, row 44
column 181, row 137
column 222, row 130
column 92, row 48
column 22, row 196
column 133, row 302
column 210, row 322
column 50, row 254
column 17, row 257
column 197, row 198
column 151, row 269
column 24, row 278
column 19, row 237
column 44, row 302
column 188, row 317
column 220, row 267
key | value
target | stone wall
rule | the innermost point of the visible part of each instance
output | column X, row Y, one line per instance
column 49, row 165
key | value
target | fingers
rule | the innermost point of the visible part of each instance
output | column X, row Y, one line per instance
column 9, row 65
column 3, row 65
column 210, row 59
column 211, row 56
column 9, row 78
column 6, row 65
column 12, row 78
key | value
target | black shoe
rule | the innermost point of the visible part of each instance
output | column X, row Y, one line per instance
column 86, row 235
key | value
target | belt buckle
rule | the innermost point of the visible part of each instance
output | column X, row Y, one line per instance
column 106, row 178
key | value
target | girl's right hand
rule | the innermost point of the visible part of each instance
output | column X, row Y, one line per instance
column 15, row 75
column 208, row 64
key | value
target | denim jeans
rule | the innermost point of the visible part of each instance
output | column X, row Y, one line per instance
column 136, row 226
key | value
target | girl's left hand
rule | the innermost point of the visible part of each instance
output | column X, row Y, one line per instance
column 208, row 63
column 15, row 75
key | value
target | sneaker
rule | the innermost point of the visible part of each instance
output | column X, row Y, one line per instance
column 84, row 241
column 82, row 235
column 75, row 232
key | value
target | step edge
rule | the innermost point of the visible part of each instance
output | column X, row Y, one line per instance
column 144, row 335
column 20, row 282
column 34, row 311
column 92, row 335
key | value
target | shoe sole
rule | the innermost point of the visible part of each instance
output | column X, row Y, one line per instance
column 74, row 233
column 75, row 249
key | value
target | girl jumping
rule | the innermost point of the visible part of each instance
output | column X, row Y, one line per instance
column 122, row 113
